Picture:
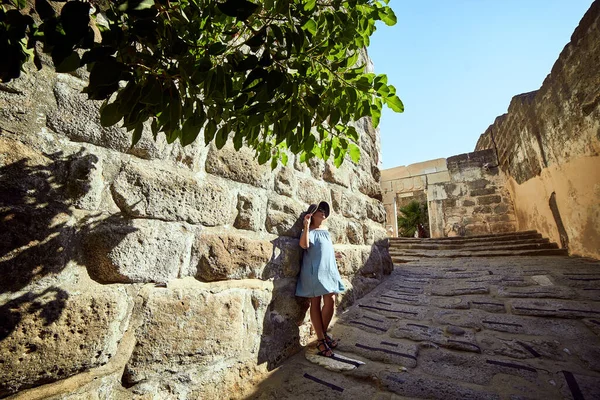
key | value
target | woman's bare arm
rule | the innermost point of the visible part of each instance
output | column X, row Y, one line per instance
column 304, row 242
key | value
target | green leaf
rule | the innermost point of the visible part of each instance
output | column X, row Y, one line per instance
column 354, row 151
column 352, row 134
column 209, row 131
column 172, row 135
column 136, row 5
column 70, row 63
column 310, row 26
column 238, row 140
column 351, row 61
column 263, row 156
column 326, row 149
column 137, row 134
column 19, row 3
column 222, row 136
column 241, row 9
column 387, row 15
column 217, row 48
column 277, row 33
column 395, row 104
column 284, row 158
column 247, row 63
column 351, row 93
column 152, row 93
column 274, row 80
column 273, row 163
column 309, row 144
column 339, row 154
column 110, row 114
column 191, row 129
column 309, row 5
column 254, row 77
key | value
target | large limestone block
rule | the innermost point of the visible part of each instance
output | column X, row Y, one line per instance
column 284, row 216
column 282, row 335
column 349, row 259
column 375, row 211
column 337, row 228
column 374, row 233
column 316, row 167
column 196, row 332
column 51, row 334
column 311, row 191
column 340, row 176
column 285, row 182
column 240, row 166
column 84, row 182
column 25, row 101
column 286, row 259
column 229, row 256
column 371, row 262
column 147, row 191
column 251, row 208
column 138, row 250
column 387, row 265
column 353, row 205
column 257, row 326
column 354, row 232
column 79, row 118
column 366, row 184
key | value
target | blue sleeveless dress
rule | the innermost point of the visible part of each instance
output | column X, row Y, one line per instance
column 319, row 274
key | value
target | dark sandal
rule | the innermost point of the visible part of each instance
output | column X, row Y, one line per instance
column 324, row 349
column 331, row 342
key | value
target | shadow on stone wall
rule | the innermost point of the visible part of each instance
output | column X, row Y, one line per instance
column 47, row 304
column 285, row 313
column 39, row 233
column 372, row 271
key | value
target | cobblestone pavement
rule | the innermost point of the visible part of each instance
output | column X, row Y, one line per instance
column 464, row 328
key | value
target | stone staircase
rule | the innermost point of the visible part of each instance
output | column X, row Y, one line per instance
column 526, row 243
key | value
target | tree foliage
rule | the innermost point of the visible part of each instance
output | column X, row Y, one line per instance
column 412, row 215
column 274, row 75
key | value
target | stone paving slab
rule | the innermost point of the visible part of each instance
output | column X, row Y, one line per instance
column 464, row 328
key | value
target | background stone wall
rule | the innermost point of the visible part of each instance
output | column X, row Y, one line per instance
column 158, row 270
column 466, row 194
column 548, row 145
column 474, row 201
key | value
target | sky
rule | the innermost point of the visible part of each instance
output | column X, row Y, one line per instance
column 456, row 64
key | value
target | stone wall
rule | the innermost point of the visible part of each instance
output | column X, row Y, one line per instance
column 474, row 201
column 465, row 194
column 548, row 145
column 157, row 270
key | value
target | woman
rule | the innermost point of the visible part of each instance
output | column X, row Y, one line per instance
column 319, row 276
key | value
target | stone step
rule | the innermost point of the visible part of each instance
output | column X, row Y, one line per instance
column 491, row 247
column 412, row 255
column 450, row 246
column 467, row 239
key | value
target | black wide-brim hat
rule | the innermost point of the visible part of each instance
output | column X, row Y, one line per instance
column 314, row 207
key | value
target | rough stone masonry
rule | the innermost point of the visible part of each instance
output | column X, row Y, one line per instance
column 157, row 270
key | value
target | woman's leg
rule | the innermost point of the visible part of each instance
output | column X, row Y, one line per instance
column 316, row 318
column 327, row 311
